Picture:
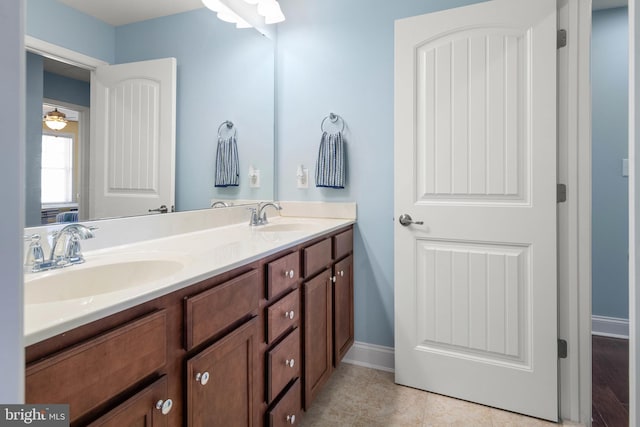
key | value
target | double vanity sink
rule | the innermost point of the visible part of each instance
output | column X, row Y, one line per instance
column 226, row 324
column 116, row 278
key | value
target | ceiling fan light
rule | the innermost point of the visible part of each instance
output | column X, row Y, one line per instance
column 55, row 120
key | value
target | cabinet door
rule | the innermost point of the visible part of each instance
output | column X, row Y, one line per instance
column 220, row 381
column 317, row 334
column 342, row 308
column 147, row 408
column 93, row 372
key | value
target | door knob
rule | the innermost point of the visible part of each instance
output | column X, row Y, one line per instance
column 405, row 220
column 161, row 209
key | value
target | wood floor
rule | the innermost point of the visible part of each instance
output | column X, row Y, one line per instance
column 610, row 366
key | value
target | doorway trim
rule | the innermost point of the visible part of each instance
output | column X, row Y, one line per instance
column 574, row 216
column 61, row 54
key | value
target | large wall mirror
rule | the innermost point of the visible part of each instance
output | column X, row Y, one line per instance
column 223, row 73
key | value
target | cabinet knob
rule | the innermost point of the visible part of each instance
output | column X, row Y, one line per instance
column 164, row 406
column 289, row 314
column 289, row 273
column 333, row 279
column 202, row 378
column 290, row 362
column 341, row 273
column 291, row 419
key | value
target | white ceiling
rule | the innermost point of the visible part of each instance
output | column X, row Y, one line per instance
column 122, row 12
column 608, row 4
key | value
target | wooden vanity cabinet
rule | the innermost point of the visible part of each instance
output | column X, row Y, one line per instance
column 328, row 309
column 343, row 335
column 247, row 347
column 282, row 346
column 220, row 381
column 317, row 302
column 90, row 374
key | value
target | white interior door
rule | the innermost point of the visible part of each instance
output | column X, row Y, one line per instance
column 475, row 160
column 133, row 138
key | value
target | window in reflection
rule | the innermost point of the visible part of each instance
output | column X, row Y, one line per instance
column 57, row 168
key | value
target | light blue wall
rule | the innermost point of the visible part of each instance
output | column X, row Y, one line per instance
column 337, row 56
column 65, row 89
column 609, row 76
column 223, row 74
column 33, row 135
column 59, row 24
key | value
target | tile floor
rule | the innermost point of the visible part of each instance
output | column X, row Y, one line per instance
column 357, row 396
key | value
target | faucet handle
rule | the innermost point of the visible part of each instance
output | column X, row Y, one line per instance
column 253, row 216
column 35, row 254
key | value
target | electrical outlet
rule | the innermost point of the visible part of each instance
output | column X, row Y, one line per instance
column 303, row 177
column 254, row 178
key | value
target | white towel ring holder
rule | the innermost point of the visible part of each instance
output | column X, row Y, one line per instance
column 229, row 124
column 333, row 118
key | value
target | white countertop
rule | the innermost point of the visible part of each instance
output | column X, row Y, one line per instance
column 201, row 254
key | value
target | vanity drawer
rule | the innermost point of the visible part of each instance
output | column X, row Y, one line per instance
column 211, row 311
column 283, row 274
column 317, row 257
column 283, row 364
column 140, row 410
column 342, row 244
column 283, row 315
column 288, row 410
column 89, row 374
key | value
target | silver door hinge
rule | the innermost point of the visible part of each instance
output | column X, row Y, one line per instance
column 561, row 193
column 562, row 349
column 562, row 38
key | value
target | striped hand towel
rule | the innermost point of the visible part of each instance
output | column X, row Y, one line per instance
column 227, row 169
column 330, row 167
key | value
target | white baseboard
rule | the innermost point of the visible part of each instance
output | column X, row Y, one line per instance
column 610, row 326
column 371, row 356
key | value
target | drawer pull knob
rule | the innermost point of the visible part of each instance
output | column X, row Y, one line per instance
column 164, row 406
column 289, row 273
column 333, row 279
column 289, row 314
column 202, row 378
column 291, row 419
column 341, row 273
column 290, row 362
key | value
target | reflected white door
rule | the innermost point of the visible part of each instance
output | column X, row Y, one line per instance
column 475, row 160
column 133, row 138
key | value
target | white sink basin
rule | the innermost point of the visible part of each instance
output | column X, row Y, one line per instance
column 83, row 281
column 284, row 227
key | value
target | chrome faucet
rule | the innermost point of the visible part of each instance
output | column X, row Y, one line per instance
column 262, row 215
column 259, row 216
column 65, row 248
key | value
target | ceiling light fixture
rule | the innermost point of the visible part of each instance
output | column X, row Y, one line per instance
column 225, row 14
column 271, row 11
column 55, row 120
column 268, row 9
